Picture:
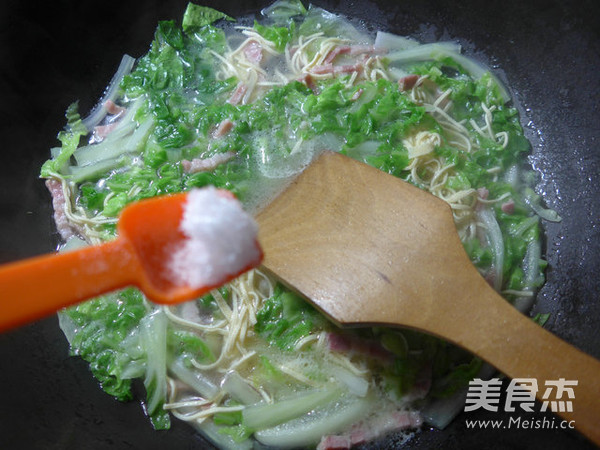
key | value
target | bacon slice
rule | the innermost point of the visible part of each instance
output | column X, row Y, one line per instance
column 253, row 52
column 372, row 428
column 338, row 343
column 356, row 95
column 346, row 344
column 408, row 82
column 340, row 50
column 101, row 131
column 238, row 94
column 64, row 227
column 331, row 69
column 322, row 69
column 205, row 164
column 362, row 49
column 113, row 108
column 351, row 50
column 223, row 128
column 349, row 68
column 308, row 80
column 334, row 442
column 508, row 207
column 483, row 193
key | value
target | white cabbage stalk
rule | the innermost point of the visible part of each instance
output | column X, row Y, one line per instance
column 111, row 92
column 308, row 429
column 496, row 242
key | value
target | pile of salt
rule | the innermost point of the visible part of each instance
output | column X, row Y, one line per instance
column 221, row 240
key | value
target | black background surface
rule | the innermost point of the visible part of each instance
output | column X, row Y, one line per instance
column 53, row 53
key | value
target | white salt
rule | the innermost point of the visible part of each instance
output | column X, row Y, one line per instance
column 221, row 240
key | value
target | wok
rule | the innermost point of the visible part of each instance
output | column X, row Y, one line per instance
column 53, row 53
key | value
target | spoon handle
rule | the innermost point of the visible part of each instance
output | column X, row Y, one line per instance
column 521, row 349
column 38, row 286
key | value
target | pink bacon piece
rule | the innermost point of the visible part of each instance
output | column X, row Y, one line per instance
column 101, row 131
column 482, row 194
column 238, row 94
column 345, row 344
column 340, row 50
column 385, row 424
column 64, row 227
column 508, row 207
column 372, row 428
column 322, row 69
column 308, row 80
column 349, row 68
column 206, row 164
column 351, row 50
column 335, row 442
column 253, row 52
column 112, row 108
column 356, row 95
column 408, row 82
column 223, row 128
column 331, row 69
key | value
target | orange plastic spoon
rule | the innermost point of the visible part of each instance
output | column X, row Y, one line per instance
column 148, row 233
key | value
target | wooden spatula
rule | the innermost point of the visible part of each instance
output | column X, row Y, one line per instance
column 369, row 249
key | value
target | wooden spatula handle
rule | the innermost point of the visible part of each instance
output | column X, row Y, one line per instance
column 521, row 349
